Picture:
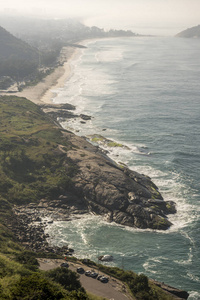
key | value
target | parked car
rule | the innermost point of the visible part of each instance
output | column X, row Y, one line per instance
column 80, row 270
column 65, row 265
column 104, row 279
column 93, row 275
column 88, row 273
column 99, row 277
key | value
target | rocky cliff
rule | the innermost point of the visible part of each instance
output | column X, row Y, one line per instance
column 41, row 160
column 122, row 195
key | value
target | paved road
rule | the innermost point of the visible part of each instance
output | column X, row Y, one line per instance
column 114, row 289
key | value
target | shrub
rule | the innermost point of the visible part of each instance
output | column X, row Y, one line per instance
column 67, row 278
column 36, row 287
column 27, row 258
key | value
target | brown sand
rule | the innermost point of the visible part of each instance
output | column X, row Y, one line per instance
column 42, row 92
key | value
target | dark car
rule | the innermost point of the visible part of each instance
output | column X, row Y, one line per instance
column 93, row 275
column 65, row 265
column 104, row 279
column 80, row 270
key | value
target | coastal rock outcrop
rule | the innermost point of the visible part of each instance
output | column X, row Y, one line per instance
column 106, row 188
column 51, row 162
column 63, row 112
column 120, row 194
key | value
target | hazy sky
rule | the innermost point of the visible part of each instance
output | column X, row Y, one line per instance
column 142, row 16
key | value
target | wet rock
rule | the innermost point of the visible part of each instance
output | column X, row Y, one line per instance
column 174, row 291
column 105, row 257
column 123, row 218
column 107, row 188
column 85, row 117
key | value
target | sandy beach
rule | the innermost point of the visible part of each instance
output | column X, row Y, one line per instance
column 43, row 91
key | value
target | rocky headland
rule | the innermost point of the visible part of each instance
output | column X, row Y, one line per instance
column 122, row 195
column 106, row 188
column 98, row 185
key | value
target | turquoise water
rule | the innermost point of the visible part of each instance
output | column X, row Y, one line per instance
column 144, row 93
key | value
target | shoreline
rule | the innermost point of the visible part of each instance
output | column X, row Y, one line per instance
column 42, row 93
column 70, row 55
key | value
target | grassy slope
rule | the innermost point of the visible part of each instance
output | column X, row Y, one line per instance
column 31, row 167
column 29, row 170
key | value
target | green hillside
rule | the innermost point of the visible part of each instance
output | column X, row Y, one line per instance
column 30, row 165
column 28, row 170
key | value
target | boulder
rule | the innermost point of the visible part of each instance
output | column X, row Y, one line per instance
column 106, row 257
column 85, row 117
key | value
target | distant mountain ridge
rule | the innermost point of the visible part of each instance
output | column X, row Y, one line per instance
column 30, row 47
column 193, row 32
column 45, row 33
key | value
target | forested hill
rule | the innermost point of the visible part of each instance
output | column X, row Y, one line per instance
column 193, row 32
column 12, row 46
column 17, row 58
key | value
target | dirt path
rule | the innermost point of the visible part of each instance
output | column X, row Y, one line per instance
column 114, row 289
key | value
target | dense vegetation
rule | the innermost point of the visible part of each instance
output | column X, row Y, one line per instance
column 31, row 165
column 23, row 280
column 30, row 168
column 20, row 277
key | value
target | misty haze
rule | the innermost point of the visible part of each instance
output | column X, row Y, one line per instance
column 99, row 147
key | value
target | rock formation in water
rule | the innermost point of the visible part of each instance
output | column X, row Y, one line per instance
column 41, row 160
column 122, row 195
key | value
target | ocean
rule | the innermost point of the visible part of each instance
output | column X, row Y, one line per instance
column 144, row 93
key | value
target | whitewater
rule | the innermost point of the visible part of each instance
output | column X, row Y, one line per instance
column 144, row 93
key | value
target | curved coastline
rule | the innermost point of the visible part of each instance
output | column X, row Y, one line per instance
column 42, row 93
column 58, row 78
column 133, row 200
